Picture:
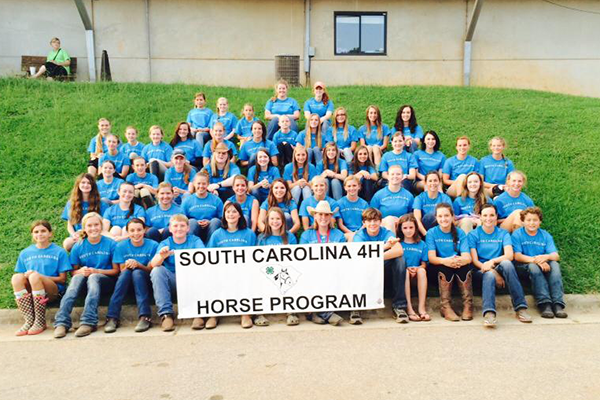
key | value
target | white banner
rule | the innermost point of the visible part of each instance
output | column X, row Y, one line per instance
column 279, row 279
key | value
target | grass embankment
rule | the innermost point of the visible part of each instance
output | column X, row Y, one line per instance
column 46, row 127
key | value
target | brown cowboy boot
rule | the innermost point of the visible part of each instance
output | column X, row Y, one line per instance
column 466, row 290
column 25, row 305
column 445, row 296
column 39, row 324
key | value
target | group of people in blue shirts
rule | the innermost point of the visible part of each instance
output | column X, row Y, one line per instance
column 228, row 182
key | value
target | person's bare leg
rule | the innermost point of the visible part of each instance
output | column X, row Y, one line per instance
column 41, row 72
column 422, row 289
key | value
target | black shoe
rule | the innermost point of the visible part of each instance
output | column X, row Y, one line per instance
column 546, row 310
column 559, row 311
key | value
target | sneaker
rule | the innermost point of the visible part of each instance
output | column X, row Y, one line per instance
column 335, row 319
column 84, row 330
column 355, row 318
column 60, row 331
column 401, row 315
column 559, row 311
column 143, row 324
column 546, row 310
column 168, row 324
column 489, row 319
column 197, row 324
column 317, row 320
column 111, row 325
column 523, row 316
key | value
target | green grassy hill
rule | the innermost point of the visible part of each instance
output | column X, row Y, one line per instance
column 45, row 128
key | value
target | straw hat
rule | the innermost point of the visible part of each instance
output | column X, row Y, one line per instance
column 222, row 147
column 322, row 207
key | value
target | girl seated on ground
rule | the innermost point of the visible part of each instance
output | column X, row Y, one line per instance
column 243, row 128
column 97, row 146
column 406, row 122
column 495, row 167
column 393, row 200
column 512, row 201
column 425, row 203
column 429, row 158
column 333, row 169
column 415, row 257
column 362, row 166
column 351, row 208
column 199, row 119
column 456, row 168
column 257, row 141
column 158, row 216
column 121, row 161
column 133, row 148
column 299, row 174
column 91, row 259
column 320, row 104
column 183, row 139
column 108, row 186
column 285, row 140
column 234, row 233
column 247, row 202
column 145, row 183
column 313, row 139
column 280, row 197
column 343, row 134
column 40, row 277
column 218, row 136
column 115, row 219
column 278, row 105
column 261, row 175
column 180, row 175
column 84, row 198
column 319, row 188
column 402, row 158
column 226, row 118
column 467, row 207
column 133, row 257
column 157, row 153
column 221, row 171
column 537, row 256
column 204, row 209
column 374, row 134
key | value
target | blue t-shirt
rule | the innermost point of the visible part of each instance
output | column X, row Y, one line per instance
column 274, row 240
column 92, row 145
column 311, row 237
column 429, row 162
column 301, row 138
column 404, row 160
column 251, row 147
column 465, row 206
column 51, row 261
column 282, row 107
column 158, row 218
column 382, row 236
column 342, row 166
column 541, row 243
column 415, row 253
column 163, row 151
column 224, row 238
column 200, row 209
column 370, row 170
column 149, row 179
column 125, row 250
column 491, row 245
column 495, row 171
column 228, row 120
column 191, row 148
column 127, row 149
column 370, row 134
column 207, row 152
column 244, row 127
column 120, row 160
column 280, row 137
column 455, row 167
column 245, row 206
column 270, row 174
column 118, row 217
column 506, row 204
column 233, row 170
column 177, row 178
column 342, row 143
column 288, row 172
column 97, row 255
column 312, row 202
column 191, row 242
column 84, row 210
column 109, row 190
column 394, row 204
column 417, row 134
column 427, row 205
column 317, row 107
column 199, row 117
column 351, row 212
column 443, row 244
column 287, row 208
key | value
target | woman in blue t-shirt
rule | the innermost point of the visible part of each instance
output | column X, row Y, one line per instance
column 203, row 209
column 157, row 153
column 406, row 122
column 424, row 205
column 374, row 134
column 362, row 166
column 495, row 167
column 281, row 197
column 108, row 184
column 281, row 104
column 261, row 175
column 313, row 138
column 333, row 169
column 299, row 174
column 429, row 158
column 467, row 207
column 40, row 276
column 248, row 203
column 456, row 168
column 512, row 201
column 118, row 215
column 184, row 139
column 320, row 104
column 343, row 134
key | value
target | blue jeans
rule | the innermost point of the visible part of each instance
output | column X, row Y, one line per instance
column 335, row 188
column 429, row 220
column 204, row 233
column 297, row 191
column 488, row 286
column 203, row 138
column 348, row 156
column 96, row 284
column 141, row 288
column 547, row 286
column 315, row 155
column 397, row 268
column 260, row 194
column 273, row 127
column 163, row 285
column 158, row 236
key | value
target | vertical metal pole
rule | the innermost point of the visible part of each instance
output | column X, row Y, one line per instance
column 149, row 43
column 468, row 41
column 467, row 65
column 307, row 41
column 89, row 38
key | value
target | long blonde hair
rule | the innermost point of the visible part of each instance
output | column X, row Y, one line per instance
column 335, row 123
column 305, row 171
column 279, row 82
column 76, row 199
column 377, row 122
column 100, row 140
column 213, row 165
column 308, row 135
column 269, row 231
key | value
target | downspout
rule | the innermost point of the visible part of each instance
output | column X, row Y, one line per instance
column 147, row 2
column 468, row 40
column 307, row 52
column 89, row 39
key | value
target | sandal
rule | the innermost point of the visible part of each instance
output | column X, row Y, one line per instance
column 425, row 317
column 414, row 317
column 261, row 320
column 292, row 320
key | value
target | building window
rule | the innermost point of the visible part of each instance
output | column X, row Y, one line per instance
column 360, row 33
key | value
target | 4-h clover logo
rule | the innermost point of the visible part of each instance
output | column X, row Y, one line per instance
column 284, row 277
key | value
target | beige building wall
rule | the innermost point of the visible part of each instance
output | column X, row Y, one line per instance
column 518, row 44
